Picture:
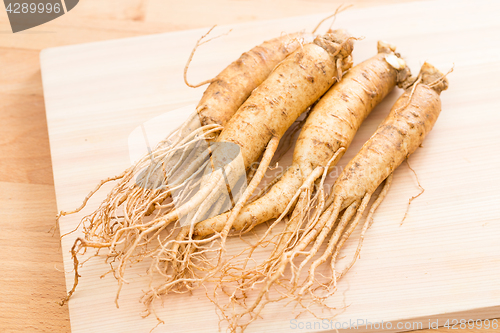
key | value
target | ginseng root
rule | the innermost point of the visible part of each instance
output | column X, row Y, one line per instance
column 327, row 133
column 398, row 136
column 305, row 74
column 173, row 164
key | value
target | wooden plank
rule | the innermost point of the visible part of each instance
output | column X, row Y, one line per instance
column 113, row 10
column 24, row 143
column 94, row 20
column 21, row 139
column 443, row 260
column 233, row 12
column 30, row 260
column 74, row 28
column 20, row 80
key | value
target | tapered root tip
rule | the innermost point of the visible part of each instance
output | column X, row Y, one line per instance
column 433, row 77
column 63, row 301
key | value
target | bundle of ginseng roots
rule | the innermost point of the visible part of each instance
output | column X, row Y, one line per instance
column 177, row 206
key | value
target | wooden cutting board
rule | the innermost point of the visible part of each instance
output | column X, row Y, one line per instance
column 443, row 262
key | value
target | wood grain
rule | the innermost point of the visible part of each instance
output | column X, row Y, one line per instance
column 30, row 259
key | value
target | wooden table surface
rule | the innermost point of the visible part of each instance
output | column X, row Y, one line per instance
column 31, row 277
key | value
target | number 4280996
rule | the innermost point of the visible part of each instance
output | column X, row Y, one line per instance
column 24, row 8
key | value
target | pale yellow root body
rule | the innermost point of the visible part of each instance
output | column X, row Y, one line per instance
column 235, row 83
